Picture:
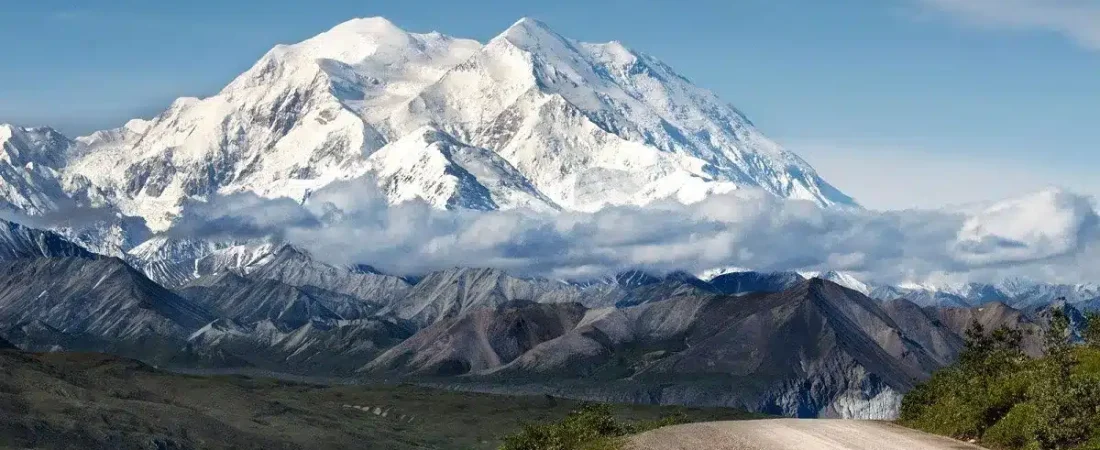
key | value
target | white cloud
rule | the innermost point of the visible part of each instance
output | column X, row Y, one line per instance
column 884, row 177
column 1078, row 20
column 1045, row 235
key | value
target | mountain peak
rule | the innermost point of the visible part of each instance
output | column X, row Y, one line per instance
column 537, row 120
column 368, row 25
column 527, row 31
column 529, row 23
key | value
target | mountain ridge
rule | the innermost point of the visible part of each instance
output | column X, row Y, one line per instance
column 530, row 119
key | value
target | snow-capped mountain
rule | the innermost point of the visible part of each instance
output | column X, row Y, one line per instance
column 1020, row 293
column 32, row 183
column 1015, row 292
column 845, row 279
column 529, row 119
column 31, row 164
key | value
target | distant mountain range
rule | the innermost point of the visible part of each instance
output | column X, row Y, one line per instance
column 776, row 343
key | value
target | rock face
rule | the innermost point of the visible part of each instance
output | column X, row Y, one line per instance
column 992, row 316
column 30, row 160
column 240, row 299
column 479, row 340
column 93, row 304
column 18, row 241
column 925, row 327
column 318, row 348
column 454, row 292
column 294, row 267
column 737, row 283
column 814, row 350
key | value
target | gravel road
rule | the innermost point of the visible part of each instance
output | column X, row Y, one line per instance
column 793, row 434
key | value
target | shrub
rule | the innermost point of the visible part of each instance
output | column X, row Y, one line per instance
column 1070, row 411
column 592, row 427
column 1091, row 334
column 1010, row 402
column 1017, row 430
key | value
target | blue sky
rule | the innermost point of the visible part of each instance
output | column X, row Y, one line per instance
column 899, row 102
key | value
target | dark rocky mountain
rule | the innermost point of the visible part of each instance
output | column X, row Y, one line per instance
column 18, row 241
column 1042, row 314
column 635, row 278
column 101, row 297
column 294, row 267
column 673, row 285
column 250, row 300
column 737, row 283
column 453, row 292
column 925, row 328
column 93, row 305
column 815, row 349
column 774, row 343
column 5, row 345
column 318, row 348
column 480, row 339
column 992, row 316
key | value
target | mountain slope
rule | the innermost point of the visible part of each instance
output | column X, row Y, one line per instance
column 815, row 349
column 292, row 266
column 104, row 298
column 530, row 119
column 32, row 183
column 598, row 124
column 480, row 340
column 991, row 316
column 19, row 241
column 925, row 328
column 329, row 348
column 434, row 167
column 737, row 283
column 450, row 293
column 247, row 301
column 30, row 159
column 174, row 262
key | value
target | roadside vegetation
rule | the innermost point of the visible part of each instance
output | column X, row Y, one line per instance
column 997, row 396
column 590, row 427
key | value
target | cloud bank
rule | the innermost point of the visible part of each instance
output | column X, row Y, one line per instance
column 1078, row 20
column 1046, row 235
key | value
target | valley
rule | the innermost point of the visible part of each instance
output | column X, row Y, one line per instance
column 95, row 401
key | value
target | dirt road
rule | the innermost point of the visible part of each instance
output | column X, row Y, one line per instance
column 793, row 434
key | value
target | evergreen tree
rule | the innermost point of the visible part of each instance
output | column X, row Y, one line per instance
column 1091, row 334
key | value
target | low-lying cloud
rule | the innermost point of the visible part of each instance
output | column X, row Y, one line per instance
column 1048, row 235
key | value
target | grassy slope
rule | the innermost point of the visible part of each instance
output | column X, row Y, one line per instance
column 90, row 401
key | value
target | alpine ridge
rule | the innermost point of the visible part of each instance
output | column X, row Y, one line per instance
column 530, row 119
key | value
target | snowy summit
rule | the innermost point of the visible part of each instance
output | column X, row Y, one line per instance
column 530, row 119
